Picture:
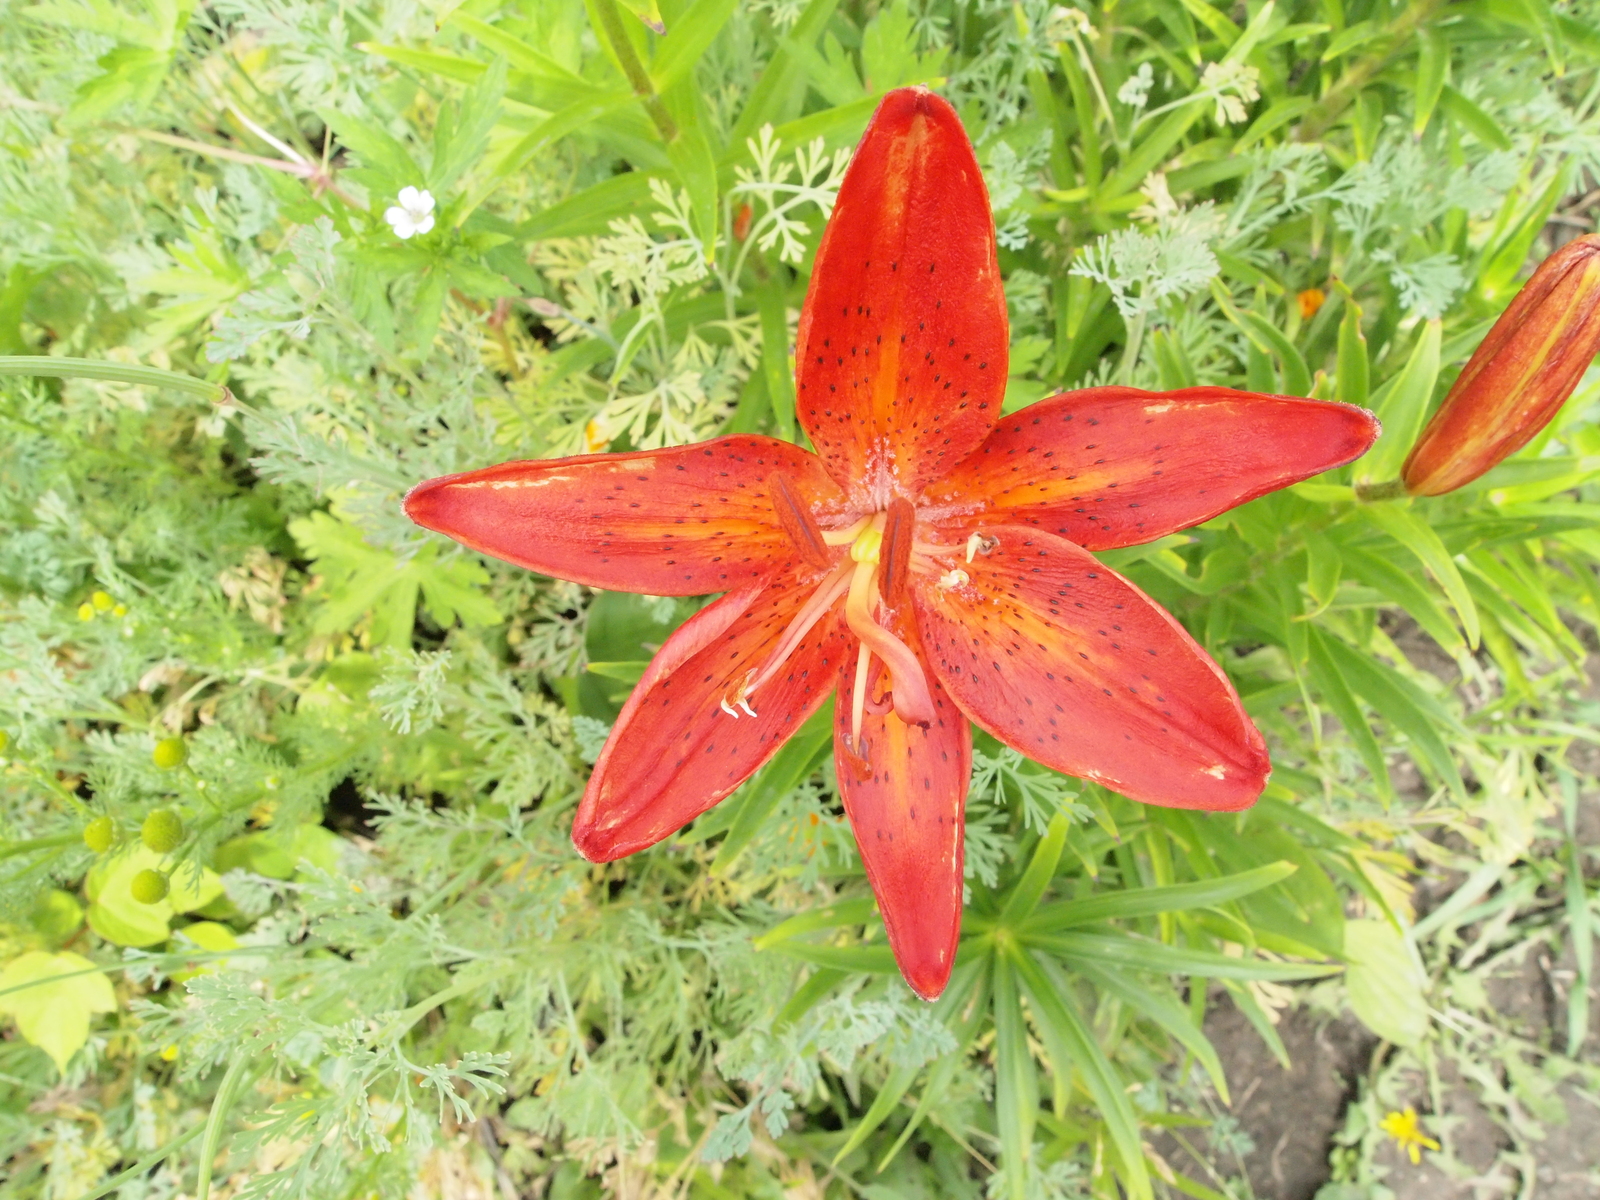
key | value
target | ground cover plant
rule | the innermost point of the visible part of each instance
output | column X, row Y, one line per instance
column 288, row 900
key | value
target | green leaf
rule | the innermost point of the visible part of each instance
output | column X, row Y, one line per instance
column 1016, row 1080
column 361, row 579
column 868, row 960
column 1384, row 987
column 1072, row 1046
column 1165, row 1010
column 1025, row 895
column 1403, row 589
column 374, row 146
column 51, row 997
column 1405, row 527
column 776, row 363
column 774, row 90
column 695, row 162
column 1406, row 708
column 1323, row 567
column 971, row 1020
column 1337, row 695
column 802, row 754
column 1132, row 952
column 857, row 911
column 946, row 1010
column 1433, row 65
column 1146, row 902
column 690, row 35
column 1404, row 407
column 1277, row 115
column 1353, row 365
column 116, row 916
column 1472, row 118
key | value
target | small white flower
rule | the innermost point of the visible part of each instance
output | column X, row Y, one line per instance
column 413, row 215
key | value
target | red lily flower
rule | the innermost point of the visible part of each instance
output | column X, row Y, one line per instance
column 929, row 562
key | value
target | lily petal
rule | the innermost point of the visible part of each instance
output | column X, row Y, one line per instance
column 674, row 750
column 677, row 522
column 1066, row 661
column 903, row 340
column 905, row 795
column 1117, row 466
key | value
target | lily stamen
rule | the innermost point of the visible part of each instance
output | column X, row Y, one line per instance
column 810, row 613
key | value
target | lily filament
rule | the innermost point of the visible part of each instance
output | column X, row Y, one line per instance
column 857, row 578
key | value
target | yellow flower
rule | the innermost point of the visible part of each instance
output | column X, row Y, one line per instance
column 1406, row 1131
column 85, row 612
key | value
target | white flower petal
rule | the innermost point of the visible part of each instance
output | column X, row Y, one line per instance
column 409, row 197
column 425, row 224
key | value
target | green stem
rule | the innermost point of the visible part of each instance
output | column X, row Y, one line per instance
column 219, row 1111
column 1391, row 489
column 145, row 1164
column 93, row 368
column 638, row 78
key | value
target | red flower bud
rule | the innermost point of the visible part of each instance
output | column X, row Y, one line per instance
column 1518, row 377
column 741, row 222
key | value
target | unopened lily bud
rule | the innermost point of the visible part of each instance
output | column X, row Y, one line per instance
column 1519, row 377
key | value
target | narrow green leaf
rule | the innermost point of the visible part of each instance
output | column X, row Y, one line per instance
column 1336, row 695
column 1433, row 65
column 687, row 40
column 1025, row 895
column 1404, row 407
column 866, row 960
column 772, row 91
column 1353, row 365
column 1072, row 1046
column 1404, row 526
column 799, row 756
column 1473, row 119
column 947, row 1011
column 1135, row 953
column 1016, row 1081
column 1165, row 1010
column 775, row 361
column 1147, row 902
column 806, row 997
column 1244, row 1000
column 1404, row 706
column 1403, row 589
column 857, row 911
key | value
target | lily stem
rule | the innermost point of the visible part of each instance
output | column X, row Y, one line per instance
column 638, row 78
column 1390, row 489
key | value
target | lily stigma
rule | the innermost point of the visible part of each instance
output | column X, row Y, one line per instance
column 931, row 561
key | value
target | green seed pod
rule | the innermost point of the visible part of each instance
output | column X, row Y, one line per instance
column 162, row 831
column 149, row 887
column 170, row 753
column 98, row 834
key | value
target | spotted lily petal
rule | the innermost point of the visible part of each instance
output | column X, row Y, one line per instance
column 902, row 349
column 1116, row 466
column 677, row 522
column 1069, row 663
column 677, row 748
column 905, row 793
